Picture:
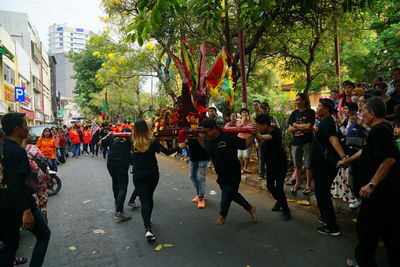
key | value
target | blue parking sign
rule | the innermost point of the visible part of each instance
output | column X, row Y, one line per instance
column 19, row 94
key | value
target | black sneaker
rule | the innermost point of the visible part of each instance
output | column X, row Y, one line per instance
column 276, row 207
column 325, row 230
column 121, row 216
column 149, row 235
column 321, row 220
column 286, row 215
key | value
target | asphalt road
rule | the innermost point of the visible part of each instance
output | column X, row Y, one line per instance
column 85, row 203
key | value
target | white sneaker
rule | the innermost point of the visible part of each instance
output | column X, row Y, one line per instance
column 149, row 236
column 355, row 204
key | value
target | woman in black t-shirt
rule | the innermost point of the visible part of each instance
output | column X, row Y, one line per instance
column 325, row 153
column 145, row 170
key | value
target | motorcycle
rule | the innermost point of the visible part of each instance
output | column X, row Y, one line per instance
column 54, row 184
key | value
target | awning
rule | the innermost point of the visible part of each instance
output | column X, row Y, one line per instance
column 4, row 51
column 60, row 113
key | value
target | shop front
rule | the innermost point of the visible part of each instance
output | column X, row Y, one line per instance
column 29, row 115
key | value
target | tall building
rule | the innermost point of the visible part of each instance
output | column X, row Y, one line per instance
column 63, row 39
column 27, row 67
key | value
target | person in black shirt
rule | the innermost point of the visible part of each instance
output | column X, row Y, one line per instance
column 222, row 149
column 145, row 170
column 198, row 164
column 379, row 175
column 118, row 161
column 17, row 205
column 270, row 140
column 301, row 122
column 103, row 132
column 326, row 152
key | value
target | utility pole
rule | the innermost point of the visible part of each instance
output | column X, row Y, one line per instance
column 242, row 55
column 337, row 53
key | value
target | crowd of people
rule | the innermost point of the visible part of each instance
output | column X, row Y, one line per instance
column 347, row 148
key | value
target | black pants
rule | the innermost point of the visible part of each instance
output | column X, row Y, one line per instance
column 105, row 150
column 230, row 192
column 377, row 220
column 85, row 148
column 9, row 235
column 276, row 173
column 323, row 178
column 133, row 196
column 145, row 183
column 94, row 148
column 120, row 178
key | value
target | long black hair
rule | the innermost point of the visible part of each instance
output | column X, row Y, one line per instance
column 306, row 98
column 44, row 130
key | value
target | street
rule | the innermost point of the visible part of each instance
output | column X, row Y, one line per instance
column 85, row 203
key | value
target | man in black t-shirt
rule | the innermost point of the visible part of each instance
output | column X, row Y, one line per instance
column 270, row 140
column 17, row 206
column 380, row 180
column 301, row 122
column 222, row 149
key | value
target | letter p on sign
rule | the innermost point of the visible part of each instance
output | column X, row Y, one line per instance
column 19, row 94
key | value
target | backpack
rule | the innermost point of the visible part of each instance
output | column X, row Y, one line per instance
column 356, row 136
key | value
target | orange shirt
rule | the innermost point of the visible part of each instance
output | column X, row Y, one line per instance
column 47, row 146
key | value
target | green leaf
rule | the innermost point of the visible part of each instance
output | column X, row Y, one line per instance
column 142, row 4
column 140, row 40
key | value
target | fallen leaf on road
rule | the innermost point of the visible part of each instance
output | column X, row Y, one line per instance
column 98, row 231
column 167, row 245
column 354, row 220
column 94, row 252
column 212, row 192
column 304, row 202
column 87, row 201
column 290, row 200
column 72, row 248
column 176, row 189
column 219, row 252
column 158, row 248
column 248, row 266
column 167, row 174
column 128, row 247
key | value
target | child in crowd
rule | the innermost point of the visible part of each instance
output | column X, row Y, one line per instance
column 396, row 133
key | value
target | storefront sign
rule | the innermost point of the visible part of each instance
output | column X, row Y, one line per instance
column 9, row 93
column 28, row 113
column 39, row 116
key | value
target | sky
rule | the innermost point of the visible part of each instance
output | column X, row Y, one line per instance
column 43, row 13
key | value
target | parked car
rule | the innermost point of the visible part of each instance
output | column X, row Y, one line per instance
column 37, row 130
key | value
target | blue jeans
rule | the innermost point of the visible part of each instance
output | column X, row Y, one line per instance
column 197, row 173
column 76, row 150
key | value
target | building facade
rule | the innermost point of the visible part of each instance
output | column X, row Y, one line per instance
column 29, row 69
column 63, row 40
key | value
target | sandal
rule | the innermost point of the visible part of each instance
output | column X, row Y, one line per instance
column 294, row 189
column 350, row 263
column 307, row 190
column 291, row 181
column 20, row 260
